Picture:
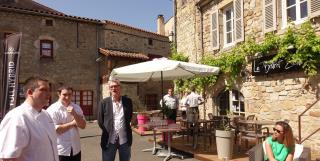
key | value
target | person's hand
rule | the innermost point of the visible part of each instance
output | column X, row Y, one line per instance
column 73, row 123
column 71, row 110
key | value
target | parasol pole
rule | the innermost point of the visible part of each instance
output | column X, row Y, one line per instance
column 162, row 102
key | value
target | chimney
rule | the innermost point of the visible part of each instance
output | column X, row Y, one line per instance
column 160, row 25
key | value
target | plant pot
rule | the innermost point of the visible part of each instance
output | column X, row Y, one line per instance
column 225, row 140
column 142, row 119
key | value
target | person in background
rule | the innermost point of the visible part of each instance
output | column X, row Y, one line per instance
column 172, row 102
column 193, row 101
column 114, row 117
column 27, row 132
column 280, row 146
column 67, row 117
column 183, row 105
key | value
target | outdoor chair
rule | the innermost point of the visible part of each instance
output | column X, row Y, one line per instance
column 257, row 135
column 301, row 153
column 251, row 117
column 186, row 130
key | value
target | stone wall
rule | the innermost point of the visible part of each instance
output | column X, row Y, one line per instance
column 270, row 97
column 73, row 61
column 186, row 29
column 126, row 38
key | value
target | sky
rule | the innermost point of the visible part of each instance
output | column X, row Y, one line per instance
column 136, row 13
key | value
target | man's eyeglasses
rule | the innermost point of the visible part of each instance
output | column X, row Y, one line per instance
column 276, row 130
column 114, row 86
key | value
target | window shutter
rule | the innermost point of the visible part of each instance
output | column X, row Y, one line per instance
column 279, row 13
column 269, row 15
column 314, row 8
column 215, row 30
column 238, row 19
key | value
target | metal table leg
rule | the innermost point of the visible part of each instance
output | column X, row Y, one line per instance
column 154, row 148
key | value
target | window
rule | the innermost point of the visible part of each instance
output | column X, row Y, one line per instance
column 228, row 26
column 46, row 48
column 294, row 11
column 49, row 22
column 150, row 42
column 84, row 98
column 151, row 101
column 232, row 100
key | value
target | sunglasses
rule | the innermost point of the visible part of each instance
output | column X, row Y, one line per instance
column 276, row 130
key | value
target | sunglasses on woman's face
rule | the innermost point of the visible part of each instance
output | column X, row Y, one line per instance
column 276, row 130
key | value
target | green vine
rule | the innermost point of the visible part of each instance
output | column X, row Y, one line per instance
column 297, row 45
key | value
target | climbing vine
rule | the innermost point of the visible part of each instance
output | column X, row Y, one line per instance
column 297, row 45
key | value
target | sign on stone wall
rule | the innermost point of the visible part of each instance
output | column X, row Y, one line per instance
column 261, row 66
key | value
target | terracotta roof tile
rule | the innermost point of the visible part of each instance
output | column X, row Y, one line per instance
column 34, row 7
column 130, row 27
column 117, row 53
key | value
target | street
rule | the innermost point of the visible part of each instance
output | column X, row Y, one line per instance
column 91, row 151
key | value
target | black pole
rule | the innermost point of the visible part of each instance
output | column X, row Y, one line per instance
column 162, row 102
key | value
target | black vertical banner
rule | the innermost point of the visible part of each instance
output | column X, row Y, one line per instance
column 10, row 73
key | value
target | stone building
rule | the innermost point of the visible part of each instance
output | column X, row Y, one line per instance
column 126, row 45
column 78, row 51
column 211, row 27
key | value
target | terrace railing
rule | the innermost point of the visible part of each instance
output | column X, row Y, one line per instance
column 299, row 122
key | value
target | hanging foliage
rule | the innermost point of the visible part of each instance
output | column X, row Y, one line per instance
column 296, row 45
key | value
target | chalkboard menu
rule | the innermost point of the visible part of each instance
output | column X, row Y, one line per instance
column 262, row 66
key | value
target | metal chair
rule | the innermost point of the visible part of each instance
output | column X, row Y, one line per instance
column 258, row 135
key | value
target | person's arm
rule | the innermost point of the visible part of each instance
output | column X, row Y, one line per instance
column 201, row 100
column 80, row 121
column 62, row 128
column 100, row 115
column 130, row 106
column 269, row 151
column 290, row 155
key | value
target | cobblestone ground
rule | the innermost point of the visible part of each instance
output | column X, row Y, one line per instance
column 90, row 146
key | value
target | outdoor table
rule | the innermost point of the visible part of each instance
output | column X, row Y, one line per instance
column 153, row 125
column 171, row 128
column 149, row 113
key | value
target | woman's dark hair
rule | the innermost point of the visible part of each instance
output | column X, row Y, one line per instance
column 288, row 139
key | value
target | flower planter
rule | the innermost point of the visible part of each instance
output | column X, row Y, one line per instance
column 225, row 141
column 142, row 119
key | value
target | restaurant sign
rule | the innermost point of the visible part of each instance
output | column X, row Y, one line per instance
column 262, row 66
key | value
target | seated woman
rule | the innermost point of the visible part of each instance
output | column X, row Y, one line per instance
column 280, row 146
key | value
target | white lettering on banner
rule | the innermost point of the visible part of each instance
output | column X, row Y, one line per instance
column 11, row 82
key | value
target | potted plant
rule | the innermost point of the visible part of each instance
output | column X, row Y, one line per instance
column 225, row 139
column 167, row 112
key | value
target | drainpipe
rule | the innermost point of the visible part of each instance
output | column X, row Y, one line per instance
column 98, row 67
column 175, row 23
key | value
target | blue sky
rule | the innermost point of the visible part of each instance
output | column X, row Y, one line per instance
column 137, row 13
